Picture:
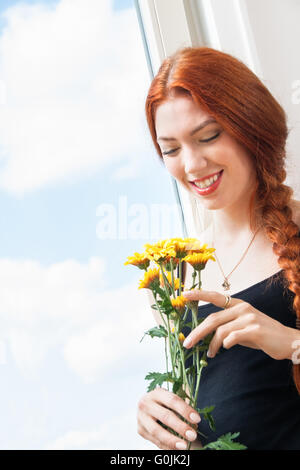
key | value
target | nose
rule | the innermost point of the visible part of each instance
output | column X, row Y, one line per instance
column 194, row 161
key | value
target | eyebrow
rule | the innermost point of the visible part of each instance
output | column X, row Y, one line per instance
column 204, row 123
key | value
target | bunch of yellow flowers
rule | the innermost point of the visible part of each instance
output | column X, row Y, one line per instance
column 173, row 250
column 159, row 261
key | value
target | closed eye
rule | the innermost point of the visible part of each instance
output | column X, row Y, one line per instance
column 203, row 140
column 169, row 151
column 211, row 138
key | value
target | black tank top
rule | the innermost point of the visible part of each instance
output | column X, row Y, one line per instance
column 253, row 394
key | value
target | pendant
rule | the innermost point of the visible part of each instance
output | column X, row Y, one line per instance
column 226, row 284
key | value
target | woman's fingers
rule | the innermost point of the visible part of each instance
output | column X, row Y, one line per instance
column 213, row 297
column 174, row 402
column 170, row 419
column 245, row 337
column 210, row 324
column 162, row 405
column 142, row 431
column 229, row 334
column 161, row 437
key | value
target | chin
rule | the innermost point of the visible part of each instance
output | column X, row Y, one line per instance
column 210, row 205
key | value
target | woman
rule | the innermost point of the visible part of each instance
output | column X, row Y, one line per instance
column 222, row 135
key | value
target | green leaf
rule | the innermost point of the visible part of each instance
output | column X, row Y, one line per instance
column 208, row 339
column 182, row 393
column 176, row 386
column 165, row 306
column 158, row 379
column 157, row 331
column 211, row 421
column 207, row 409
column 206, row 412
column 161, row 292
column 226, row 442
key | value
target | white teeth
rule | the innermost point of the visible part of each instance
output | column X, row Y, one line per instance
column 207, row 182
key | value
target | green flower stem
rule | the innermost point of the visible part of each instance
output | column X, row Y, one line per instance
column 194, row 309
column 170, row 347
column 166, row 282
column 180, row 275
column 167, row 326
column 204, row 358
column 199, row 279
column 166, row 356
column 172, row 276
column 194, row 274
column 181, row 352
column 196, row 362
column 196, row 352
column 161, row 315
column 185, row 314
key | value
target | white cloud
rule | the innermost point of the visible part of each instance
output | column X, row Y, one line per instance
column 68, row 307
column 75, row 77
column 73, row 352
column 115, row 433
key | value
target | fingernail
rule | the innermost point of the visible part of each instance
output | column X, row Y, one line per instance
column 195, row 418
column 191, row 435
column 209, row 353
column 181, row 445
column 187, row 342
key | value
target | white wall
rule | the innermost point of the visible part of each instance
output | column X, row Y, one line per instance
column 276, row 32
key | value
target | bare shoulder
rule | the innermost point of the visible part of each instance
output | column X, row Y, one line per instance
column 295, row 206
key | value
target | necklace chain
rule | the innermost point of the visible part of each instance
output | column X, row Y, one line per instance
column 226, row 284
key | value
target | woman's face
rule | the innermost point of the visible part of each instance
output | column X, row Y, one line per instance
column 200, row 149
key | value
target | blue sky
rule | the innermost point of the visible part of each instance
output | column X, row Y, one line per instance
column 73, row 137
column 58, row 221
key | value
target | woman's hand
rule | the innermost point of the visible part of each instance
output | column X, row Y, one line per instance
column 162, row 405
column 242, row 324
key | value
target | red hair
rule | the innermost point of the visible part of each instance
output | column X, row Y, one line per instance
column 230, row 92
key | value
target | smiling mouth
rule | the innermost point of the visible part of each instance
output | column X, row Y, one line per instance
column 207, row 182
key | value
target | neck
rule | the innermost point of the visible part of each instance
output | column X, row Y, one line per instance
column 230, row 225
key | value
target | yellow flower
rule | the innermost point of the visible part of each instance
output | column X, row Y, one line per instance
column 175, row 248
column 179, row 303
column 182, row 245
column 168, row 266
column 160, row 252
column 181, row 336
column 169, row 277
column 141, row 260
column 179, row 245
column 195, row 247
column 199, row 259
column 151, row 278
